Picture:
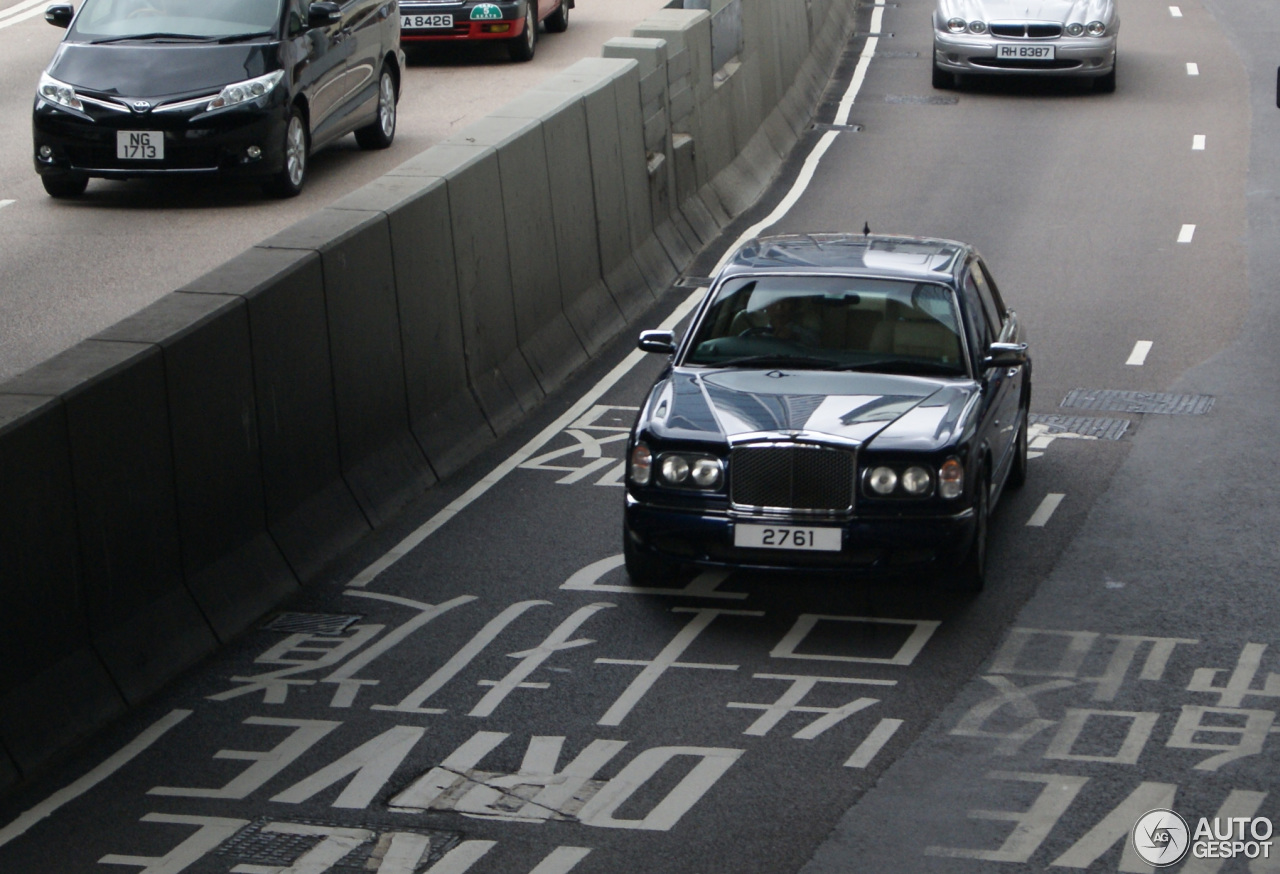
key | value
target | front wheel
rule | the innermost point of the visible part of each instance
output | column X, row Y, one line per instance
column 558, row 21
column 380, row 133
column 65, row 184
column 646, row 570
column 971, row 575
column 521, row 48
column 1018, row 472
column 288, row 181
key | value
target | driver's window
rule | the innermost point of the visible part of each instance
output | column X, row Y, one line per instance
column 977, row 314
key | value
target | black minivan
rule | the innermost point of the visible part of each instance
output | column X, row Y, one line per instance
column 246, row 88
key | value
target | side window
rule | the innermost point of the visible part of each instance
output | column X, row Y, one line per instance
column 296, row 21
column 991, row 301
column 982, row 333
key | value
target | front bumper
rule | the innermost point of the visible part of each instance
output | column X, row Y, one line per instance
column 970, row 53
column 869, row 545
column 465, row 27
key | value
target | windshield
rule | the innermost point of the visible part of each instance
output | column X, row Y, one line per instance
column 831, row 322
column 159, row 19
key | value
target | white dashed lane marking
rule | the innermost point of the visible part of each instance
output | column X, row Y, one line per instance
column 1193, row 69
column 1175, row 11
column 1042, row 514
column 1197, row 143
column 4, row 203
column 1138, row 356
column 1187, row 232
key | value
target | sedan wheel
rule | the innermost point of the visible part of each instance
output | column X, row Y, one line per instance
column 521, row 48
column 1018, row 472
column 646, row 570
column 971, row 576
column 382, row 131
column 290, row 178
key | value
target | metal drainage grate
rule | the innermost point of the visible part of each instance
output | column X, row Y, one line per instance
column 920, row 100
column 311, row 623
column 1138, row 402
column 278, row 849
column 836, row 127
column 1102, row 429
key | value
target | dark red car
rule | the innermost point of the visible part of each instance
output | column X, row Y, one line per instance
column 513, row 21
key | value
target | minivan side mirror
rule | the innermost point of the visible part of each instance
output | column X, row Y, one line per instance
column 657, row 341
column 60, row 15
column 323, row 13
column 1005, row 355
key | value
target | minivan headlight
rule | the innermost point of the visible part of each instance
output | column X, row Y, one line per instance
column 59, row 93
column 243, row 92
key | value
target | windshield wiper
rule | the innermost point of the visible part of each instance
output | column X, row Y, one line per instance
column 141, row 36
column 899, row 365
column 774, row 361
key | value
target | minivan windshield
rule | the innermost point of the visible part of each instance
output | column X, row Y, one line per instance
column 831, row 323
column 116, row 20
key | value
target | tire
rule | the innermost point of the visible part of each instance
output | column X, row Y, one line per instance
column 558, row 21
column 942, row 80
column 380, row 133
column 646, row 571
column 288, row 181
column 65, row 185
column 1106, row 84
column 1018, row 472
column 971, row 575
column 522, row 47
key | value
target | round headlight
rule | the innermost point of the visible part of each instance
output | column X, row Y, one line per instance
column 916, row 481
column 675, row 469
column 1096, row 28
column 1075, row 28
column 706, row 472
column 951, row 478
column 641, row 466
column 957, row 25
column 977, row 27
column 883, row 480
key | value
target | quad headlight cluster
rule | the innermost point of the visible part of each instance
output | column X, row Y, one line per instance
column 1075, row 28
column 914, row 480
column 959, row 25
column 62, row 94
column 689, row 470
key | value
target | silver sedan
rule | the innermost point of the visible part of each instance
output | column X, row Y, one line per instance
column 1016, row 37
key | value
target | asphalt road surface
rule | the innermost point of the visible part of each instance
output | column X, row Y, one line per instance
column 477, row 689
column 71, row 268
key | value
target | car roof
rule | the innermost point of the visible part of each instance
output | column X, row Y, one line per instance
column 915, row 258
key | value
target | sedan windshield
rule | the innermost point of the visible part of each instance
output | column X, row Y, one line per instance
column 831, row 323
column 116, row 20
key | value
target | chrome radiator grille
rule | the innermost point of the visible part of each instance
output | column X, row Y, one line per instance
column 792, row 477
column 1027, row 31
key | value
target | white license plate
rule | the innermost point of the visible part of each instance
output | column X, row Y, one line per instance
column 1024, row 53
column 425, row 22
column 787, row 537
column 140, row 145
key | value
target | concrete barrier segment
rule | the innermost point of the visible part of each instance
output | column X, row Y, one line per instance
column 142, row 620
column 310, row 512
column 232, row 566
column 444, row 414
column 54, row 690
column 545, row 337
column 381, row 462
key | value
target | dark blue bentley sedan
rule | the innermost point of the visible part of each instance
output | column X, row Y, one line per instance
column 841, row 402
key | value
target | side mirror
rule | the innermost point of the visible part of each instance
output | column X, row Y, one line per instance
column 60, row 15
column 657, row 341
column 323, row 13
column 1005, row 355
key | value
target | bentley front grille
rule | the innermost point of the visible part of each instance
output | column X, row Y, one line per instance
column 808, row 479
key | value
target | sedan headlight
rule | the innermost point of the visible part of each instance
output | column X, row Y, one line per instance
column 689, row 470
column 1096, row 28
column 641, row 467
column 1075, row 28
column 957, row 25
column 882, row 480
column 977, row 27
column 243, row 92
column 898, row 481
column 916, row 481
column 58, row 93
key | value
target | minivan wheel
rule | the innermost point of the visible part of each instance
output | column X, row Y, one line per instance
column 288, row 181
column 380, row 133
column 65, row 184
column 521, row 48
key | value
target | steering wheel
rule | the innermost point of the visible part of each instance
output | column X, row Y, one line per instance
column 758, row 331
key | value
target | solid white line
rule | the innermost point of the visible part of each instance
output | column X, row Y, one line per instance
column 24, row 6
column 874, row 742
column 30, row 13
column 1197, row 143
column 1138, row 356
column 1193, row 69
column 127, row 754
column 1187, row 232
column 4, row 203
column 1045, row 510
column 1175, row 11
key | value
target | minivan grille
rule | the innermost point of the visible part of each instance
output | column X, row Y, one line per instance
column 1027, row 31
column 792, row 477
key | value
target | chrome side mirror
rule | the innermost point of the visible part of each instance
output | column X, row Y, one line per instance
column 1005, row 355
column 657, row 341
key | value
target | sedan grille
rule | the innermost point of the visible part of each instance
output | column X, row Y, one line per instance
column 810, row 479
column 1027, row 31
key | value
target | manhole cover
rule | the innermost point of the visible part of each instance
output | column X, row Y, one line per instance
column 311, row 623
column 1102, row 429
column 1163, row 403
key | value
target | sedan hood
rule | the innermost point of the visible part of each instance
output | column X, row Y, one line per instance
column 153, row 71
column 902, row 412
column 1064, row 11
